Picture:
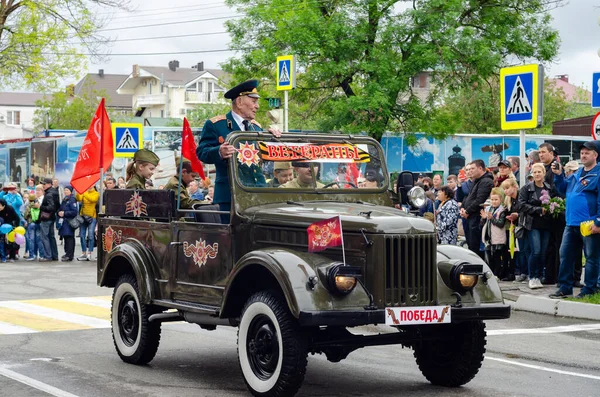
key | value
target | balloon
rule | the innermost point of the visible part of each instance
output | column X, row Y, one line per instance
column 11, row 237
column 6, row 228
column 20, row 230
column 19, row 239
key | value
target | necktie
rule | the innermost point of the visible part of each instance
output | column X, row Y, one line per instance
column 246, row 125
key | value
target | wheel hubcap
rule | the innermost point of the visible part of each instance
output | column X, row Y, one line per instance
column 262, row 347
column 128, row 320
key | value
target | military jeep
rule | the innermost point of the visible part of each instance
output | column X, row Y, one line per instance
column 255, row 272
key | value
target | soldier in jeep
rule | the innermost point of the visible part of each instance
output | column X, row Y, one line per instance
column 304, row 178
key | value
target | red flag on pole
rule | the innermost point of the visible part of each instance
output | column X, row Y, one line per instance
column 325, row 234
column 352, row 174
column 188, row 148
column 96, row 151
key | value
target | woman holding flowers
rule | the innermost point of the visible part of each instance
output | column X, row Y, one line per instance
column 534, row 216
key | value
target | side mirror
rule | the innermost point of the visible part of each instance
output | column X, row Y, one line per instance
column 405, row 182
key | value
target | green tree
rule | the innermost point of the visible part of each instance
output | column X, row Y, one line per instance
column 41, row 42
column 357, row 57
column 66, row 112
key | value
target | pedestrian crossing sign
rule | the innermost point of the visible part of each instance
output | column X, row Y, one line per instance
column 286, row 72
column 127, row 139
column 521, row 97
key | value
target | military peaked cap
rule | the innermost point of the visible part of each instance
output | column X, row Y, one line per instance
column 246, row 88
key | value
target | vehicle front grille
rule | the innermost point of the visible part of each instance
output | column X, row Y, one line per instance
column 410, row 277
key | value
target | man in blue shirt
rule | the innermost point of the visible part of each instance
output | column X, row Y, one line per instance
column 582, row 204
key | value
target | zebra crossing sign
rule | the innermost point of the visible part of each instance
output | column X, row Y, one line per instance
column 286, row 72
column 521, row 97
column 127, row 138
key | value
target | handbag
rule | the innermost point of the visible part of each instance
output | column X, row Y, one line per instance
column 520, row 231
column 75, row 222
column 45, row 216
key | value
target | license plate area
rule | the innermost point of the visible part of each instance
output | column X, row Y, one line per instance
column 418, row 315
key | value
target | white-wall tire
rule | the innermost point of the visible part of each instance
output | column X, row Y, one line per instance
column 271, row 347
column 136, row 339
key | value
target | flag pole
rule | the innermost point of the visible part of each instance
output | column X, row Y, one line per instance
column 342, row 234
column 180, row 166
column 102, row 157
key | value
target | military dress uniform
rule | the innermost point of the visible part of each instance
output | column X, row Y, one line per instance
column 142, row 155
column 213, row 135
column 297, row 184
column 185, row 201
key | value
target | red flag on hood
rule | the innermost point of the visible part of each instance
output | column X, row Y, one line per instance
column 188, row 148
column 324, row 234
column 96, row 152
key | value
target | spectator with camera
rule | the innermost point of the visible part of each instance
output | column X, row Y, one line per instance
column 582, row 205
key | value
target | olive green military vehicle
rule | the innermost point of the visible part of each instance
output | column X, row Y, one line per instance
column 291, row 294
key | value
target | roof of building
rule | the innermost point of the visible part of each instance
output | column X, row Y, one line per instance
column 19, row 98
column 108, row 83
column 181, row 76
column 571, row 91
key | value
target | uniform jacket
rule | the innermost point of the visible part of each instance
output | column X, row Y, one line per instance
column 296, row 184
column 186, row 202
column 583, row 198
column 69, row 206
column 136, row 182
column 88, row 200
column 214, row 133
column 479, row 193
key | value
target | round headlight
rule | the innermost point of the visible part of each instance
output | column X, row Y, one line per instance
column 416, row 197
column 461, row 279
column 342, row 279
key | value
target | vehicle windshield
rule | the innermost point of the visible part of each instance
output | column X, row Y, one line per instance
column 314, row 163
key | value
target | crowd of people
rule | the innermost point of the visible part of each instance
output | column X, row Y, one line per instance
column 539, row 233
column 46, row 209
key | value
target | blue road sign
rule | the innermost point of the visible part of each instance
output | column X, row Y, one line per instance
column 286, row 72
column 127, row 139
column 521, row 93
column 596, row 90
column 518, row 96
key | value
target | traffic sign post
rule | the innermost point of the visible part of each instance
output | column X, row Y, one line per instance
column 128, row 139
column 596, row 126
column 521, row 101
column 521, row 97
column 596, row 90
column 286, row 80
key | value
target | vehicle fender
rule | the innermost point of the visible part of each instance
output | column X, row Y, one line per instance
column 487, row 289
column 292, row 273
column 130, row 257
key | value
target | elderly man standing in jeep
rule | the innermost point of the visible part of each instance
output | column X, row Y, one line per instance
column 483, row 182
column 213, row 149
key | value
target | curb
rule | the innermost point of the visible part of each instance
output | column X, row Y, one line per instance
column 556, row 307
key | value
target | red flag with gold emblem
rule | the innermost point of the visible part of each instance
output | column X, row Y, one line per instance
column 188, row 148
column 325, row 234
column 96, row 152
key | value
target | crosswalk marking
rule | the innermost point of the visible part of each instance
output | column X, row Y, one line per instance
column 62, row 314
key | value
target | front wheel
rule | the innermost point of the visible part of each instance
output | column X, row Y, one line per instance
column 136, row 338
column 272, row 348
column 455, row 358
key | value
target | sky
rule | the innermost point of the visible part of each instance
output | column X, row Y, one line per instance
column 577, row 23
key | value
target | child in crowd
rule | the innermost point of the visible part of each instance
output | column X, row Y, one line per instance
column 494, row 235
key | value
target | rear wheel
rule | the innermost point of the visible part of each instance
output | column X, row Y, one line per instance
column 136, row 339
column 272, row 348
column 455, row 358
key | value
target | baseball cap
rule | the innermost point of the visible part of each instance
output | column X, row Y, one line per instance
column 590, row 145
column 505, row 163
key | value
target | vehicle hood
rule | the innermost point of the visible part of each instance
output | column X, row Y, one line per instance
column 355, row 216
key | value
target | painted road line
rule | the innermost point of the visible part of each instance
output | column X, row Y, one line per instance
column 72, row 307
column 36, row 322
column 26, row 380
column 548, row 330
column 93, row 301
column 540, row 368
column 11, row 329
column 56, row 314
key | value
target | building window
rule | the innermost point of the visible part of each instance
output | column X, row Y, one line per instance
column 13, row 117
column 199, row 86
column 162, row 114
column 191, row 88
column 420, row 81
column 210, row 86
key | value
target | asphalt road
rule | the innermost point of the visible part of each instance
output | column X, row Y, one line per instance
column 72, row 352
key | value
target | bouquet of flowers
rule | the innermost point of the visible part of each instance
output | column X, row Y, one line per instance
column 553, row 206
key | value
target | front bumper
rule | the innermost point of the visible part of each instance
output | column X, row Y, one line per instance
column 349, row 318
